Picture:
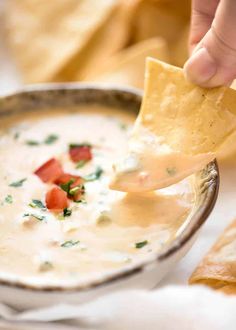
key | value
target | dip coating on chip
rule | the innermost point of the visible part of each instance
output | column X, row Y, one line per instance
column 180, row 128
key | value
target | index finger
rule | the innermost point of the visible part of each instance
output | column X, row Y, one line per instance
column 203, row 13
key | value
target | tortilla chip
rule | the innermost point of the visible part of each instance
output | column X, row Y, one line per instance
column 160, row 19
column 44, row 35
column 128, row 66
column 179, row 48
column 228, row 148
column 189, row 118
column 233, row 85
column 218, row 268
column 180, row 128
column 109, row 39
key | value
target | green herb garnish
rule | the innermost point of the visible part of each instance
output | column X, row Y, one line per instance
column 67, row 212
column 17, row 183
column 140, row 245
column 171, row 171
column 74, row 190
column 70, row 243
column 79, row 145
column 95, row 175
column 82, row 201
column 66, row 186
column 36, row 216
column 81, row 163
column 9, row 199
column 51, row 139
column 32, row 143
column 37, row 203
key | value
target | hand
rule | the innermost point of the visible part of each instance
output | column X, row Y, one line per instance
column 212, row 43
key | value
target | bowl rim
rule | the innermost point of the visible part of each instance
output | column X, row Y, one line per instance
column 197, row 219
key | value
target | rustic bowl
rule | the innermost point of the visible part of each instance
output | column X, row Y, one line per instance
column 147, row 273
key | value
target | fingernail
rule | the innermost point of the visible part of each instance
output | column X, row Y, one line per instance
column 200, row 67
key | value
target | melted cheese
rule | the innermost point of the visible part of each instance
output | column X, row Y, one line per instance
column 151, row 164
column 105, row 229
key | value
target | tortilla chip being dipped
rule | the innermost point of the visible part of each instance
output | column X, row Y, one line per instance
column 180, row 128
column 218, row 268
column 127, row 67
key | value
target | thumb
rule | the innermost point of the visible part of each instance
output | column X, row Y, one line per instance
column 213, row 62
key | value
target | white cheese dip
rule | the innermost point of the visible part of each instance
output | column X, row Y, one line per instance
column 107, row 229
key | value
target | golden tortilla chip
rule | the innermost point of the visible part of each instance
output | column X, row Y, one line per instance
column 218, row 268
column 179, row 48
column 112, row 36
column 180, row 128
column 44, row 35
column 128, row 66
column 160, row 19
column 233, row 85
column 191, row 119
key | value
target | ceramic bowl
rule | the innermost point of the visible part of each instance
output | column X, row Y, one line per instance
column 147, row 273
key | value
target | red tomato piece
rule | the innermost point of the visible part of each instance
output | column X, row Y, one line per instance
column 66, row 177
column 80, row 153
column 49, row 171
column 56, row 199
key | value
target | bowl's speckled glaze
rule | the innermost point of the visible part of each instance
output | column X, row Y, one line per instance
column 147, row 273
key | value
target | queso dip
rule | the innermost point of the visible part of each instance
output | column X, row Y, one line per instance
column 103, row 230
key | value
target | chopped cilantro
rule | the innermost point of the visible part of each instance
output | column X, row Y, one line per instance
column 82, row 201
column 36, row 216
column 171, row 171
column 81, row 163
column 74, row 190
column 9, row 199
column 50, row 139
column 95, row 175
column 70, row 243
column 78, row 145
column 67, row 212
column 140, row 245
column 17, row 183
column 32, row 143
column 66, row 186
column 37, row 203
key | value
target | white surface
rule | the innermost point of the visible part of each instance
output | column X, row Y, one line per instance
column 223, row 214
column 170, row 308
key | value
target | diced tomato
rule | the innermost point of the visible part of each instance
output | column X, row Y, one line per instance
column 56, row 199
column 79, row 153
column 49, row 171
column 66, row 177
column 77, row 182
